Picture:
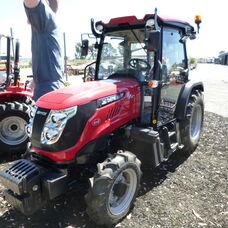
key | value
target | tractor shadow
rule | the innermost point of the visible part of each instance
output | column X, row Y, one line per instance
column 152, row 178
column 9, row 158
column 69, row 210
column 66, row 211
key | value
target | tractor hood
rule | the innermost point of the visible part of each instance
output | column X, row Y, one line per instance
column 84, row 92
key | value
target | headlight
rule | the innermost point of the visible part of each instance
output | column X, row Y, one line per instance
column 55, row 124
column 31, row 119
column 57, row 118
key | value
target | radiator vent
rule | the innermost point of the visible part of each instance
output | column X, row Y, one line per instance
column 113, row 112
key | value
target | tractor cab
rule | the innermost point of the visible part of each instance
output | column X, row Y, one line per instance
column 151, row 51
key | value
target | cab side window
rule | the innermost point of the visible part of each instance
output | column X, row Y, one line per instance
column 173, row 54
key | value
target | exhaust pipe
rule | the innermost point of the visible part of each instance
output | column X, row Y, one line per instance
column 16, row 63
column 8, row 61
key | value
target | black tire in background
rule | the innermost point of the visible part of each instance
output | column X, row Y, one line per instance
column 114, row 188
column 14, row 117
column 191, row 126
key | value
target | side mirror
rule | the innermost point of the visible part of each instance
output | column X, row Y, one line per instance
column 84, row 47
column 154, row 40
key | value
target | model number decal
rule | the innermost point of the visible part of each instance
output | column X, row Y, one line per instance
column 41, row 113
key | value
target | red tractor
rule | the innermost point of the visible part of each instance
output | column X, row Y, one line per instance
column 15, row 104
column 140, row 108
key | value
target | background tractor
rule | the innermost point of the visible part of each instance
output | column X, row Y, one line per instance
column 139, row 108
column 15, row 104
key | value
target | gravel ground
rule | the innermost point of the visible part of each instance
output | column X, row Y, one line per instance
column 186, row 191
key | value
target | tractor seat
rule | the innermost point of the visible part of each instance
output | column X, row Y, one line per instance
column 125, row 73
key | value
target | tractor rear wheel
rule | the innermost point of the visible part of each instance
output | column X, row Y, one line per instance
column 114, row 189
column 191, row 126
column 14, row 117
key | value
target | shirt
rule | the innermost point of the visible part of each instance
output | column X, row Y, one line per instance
column 47, row 57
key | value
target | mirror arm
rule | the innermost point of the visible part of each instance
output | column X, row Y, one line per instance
column 95, row 33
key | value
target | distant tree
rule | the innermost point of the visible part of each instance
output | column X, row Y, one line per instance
column 221, row 52
column 77, row 51
column 108, row 50
column 92, row 52
column 30, row 63
column 192, row 60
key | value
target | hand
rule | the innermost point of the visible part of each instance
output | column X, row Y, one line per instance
column 31, row 3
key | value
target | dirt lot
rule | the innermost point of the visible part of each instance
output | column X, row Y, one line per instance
column 186, row 191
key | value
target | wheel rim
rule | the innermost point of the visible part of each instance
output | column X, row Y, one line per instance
column 196, row 122
column 122, row 191
column 13, row 130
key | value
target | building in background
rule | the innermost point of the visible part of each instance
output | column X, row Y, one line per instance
column 224, row 58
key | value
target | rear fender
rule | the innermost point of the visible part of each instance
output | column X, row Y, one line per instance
column 182, row 101
column 10, row 97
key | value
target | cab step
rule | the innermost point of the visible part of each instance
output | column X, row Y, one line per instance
column 173, row 146
column 171, row 133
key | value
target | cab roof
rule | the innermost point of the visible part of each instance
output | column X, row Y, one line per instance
column 118, row 22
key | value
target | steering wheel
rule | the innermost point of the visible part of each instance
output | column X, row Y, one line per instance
column 139, row 64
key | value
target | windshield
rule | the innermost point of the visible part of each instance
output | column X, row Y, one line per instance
column 119, row 48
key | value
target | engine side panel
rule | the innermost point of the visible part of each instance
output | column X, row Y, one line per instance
column 103, row 121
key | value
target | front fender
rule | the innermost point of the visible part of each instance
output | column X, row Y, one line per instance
column 183, row 98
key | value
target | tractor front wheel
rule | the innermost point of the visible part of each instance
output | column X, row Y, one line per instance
column 114, row 188
column 13, row 119
column 191, row 126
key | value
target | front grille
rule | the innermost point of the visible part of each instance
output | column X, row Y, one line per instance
column 38, row 124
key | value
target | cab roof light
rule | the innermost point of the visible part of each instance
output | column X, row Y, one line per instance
column 198, row 20
column 150, row 23
column 99, row 27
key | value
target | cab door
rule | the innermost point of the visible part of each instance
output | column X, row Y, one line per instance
column 174, row 73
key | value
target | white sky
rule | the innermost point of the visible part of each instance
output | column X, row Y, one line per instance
column 74, row 17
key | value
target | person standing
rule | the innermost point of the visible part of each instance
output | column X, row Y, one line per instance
column 47, row 56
